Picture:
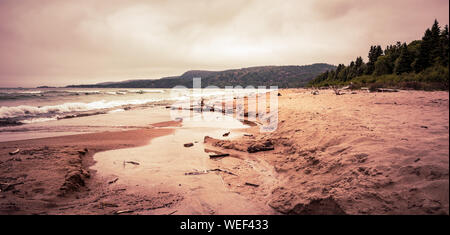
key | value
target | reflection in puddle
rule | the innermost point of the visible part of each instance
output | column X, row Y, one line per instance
column 163, row 164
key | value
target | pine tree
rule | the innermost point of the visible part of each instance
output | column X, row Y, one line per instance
column 359, row 66
column 359, row 62
column 423, row 60
column 374, row 53
column 445, row 46
column 393, row 52
column 338, row 74
column 435, row 43
column 403, row 62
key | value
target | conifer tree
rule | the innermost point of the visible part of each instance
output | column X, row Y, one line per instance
column 445, row 46
column 435, row 43
column 423, row 60
column 374, row 53
column 403, row 62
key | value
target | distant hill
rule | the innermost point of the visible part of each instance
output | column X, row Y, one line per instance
column 281, row 76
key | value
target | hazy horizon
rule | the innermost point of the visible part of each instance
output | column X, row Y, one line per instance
column 59, row 43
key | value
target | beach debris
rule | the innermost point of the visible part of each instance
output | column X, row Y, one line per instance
column 386, row 90
column 248, row 135
column 316, row 92
column 188, row 145
column 258, row 147
column 226, row 134
column 365, row 89
column 196, row 172
column 418, row 159
column 219, row 155
column 173, row 212
column 132, row 162
column 251, row 184
column 388, row 103
column 279, row 94
column 336, row 90
column 14, row 152
column 224, row 171
column 248, row 123
column 123, row 212
column 113, row 181
column 424, row 127
column 83, row 152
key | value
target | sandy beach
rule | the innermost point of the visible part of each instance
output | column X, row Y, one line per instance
column 363, row 153
column 52, row 175
column 357, row 153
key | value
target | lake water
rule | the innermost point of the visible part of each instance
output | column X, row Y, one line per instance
column 36, row 113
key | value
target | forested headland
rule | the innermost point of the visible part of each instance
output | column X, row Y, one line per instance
column 421, row 64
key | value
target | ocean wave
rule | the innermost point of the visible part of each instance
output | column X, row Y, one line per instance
column 30, row 111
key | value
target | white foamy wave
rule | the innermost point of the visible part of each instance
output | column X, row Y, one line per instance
column 116, row 110
column 35, row 120
column 30, row 92
column 83, row 92
column 25, row 110
column 116, row 93
column 146, row 91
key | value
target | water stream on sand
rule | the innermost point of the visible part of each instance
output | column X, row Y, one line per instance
column 164, row 162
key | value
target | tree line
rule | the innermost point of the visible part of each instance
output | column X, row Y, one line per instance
column 421, row 64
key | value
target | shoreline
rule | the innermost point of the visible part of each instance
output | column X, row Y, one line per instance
column 48, row 173
column 358, row 153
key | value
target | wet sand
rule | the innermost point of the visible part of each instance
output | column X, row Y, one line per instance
column 53, row 175
column 166, row 165
column 363, row 153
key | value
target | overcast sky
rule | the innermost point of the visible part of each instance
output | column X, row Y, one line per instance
column 55, row 42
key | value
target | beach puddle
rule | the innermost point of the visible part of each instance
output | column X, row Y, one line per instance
column 166, row 165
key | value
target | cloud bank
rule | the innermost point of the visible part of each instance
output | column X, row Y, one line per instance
column 72, row 42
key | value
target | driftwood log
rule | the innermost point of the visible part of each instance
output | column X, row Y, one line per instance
column 219, row 155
